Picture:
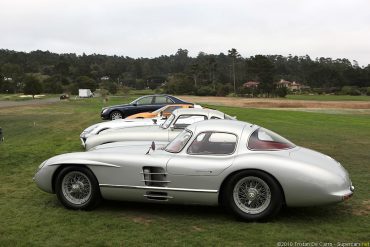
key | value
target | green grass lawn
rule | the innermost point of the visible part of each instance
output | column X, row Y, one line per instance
column 328, row 97
column 29, row 216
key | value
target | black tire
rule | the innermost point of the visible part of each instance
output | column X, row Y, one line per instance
column 268, row 209
column 116, row 115
column 65, row 196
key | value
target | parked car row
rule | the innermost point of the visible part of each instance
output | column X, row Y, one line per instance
column 193, row 156
column 148, row 103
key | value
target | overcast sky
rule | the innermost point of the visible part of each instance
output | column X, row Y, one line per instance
column 150, row 28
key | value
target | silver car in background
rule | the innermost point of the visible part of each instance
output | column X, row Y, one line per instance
column 176, row 122
column 96, row 129
column 248, row 169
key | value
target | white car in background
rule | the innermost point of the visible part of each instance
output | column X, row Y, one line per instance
column 122, row 123
column 166, row 132
column 116, row 124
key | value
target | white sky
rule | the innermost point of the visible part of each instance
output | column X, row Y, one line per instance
column 150, row 28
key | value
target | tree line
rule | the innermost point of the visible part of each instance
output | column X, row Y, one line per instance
column 206, row 74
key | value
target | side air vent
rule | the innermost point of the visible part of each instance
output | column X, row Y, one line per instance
column 159, row 196
column 154, row 176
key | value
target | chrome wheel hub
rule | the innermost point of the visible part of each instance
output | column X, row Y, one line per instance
column 252, row 195
column 76, row 187
column 116, row 115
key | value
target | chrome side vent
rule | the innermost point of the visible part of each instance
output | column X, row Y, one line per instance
column 158, row 196
column 155, row 176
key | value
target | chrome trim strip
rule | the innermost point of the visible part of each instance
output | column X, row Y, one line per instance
column 88, row 164
column 159, row 197
column 155, row 181
column 157, row 188
column 154, row 173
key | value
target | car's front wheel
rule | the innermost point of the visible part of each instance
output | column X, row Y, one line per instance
column 253, row 195
column 116, row 115
column 77, row 188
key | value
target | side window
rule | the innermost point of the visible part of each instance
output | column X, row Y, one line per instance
column 163, row 100
column 213, row 117
column 145, row 101
column 216, row 143
column 184, row 120
column 169, row 100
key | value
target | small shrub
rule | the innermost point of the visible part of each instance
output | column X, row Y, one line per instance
column 206, row 91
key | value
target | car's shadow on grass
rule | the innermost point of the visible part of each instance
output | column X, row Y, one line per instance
column 327, row 213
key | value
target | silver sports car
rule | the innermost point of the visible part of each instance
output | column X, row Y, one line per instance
column 167, row 131
column 96, row 129
column 249, row 169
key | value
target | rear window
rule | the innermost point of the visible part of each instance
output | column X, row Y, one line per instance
column 263, row 139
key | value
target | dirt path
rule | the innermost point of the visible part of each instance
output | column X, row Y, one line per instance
column 5, row 104
column 277, row 103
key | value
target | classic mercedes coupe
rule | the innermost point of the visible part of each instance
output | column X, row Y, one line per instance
column 248, row 169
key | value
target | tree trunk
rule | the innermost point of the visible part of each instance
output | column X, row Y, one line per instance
column 234, row 77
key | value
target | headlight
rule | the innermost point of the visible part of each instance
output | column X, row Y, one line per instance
column 89, row 130
column 104, row 110
column 41, row 165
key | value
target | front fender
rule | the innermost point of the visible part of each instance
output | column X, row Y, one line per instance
column 45, row 175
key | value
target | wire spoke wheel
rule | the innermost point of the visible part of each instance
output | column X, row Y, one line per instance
column 252, row 195
column 76, row 187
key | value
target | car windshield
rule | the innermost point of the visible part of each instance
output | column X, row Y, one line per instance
column 168, row 122
column 179, row 142
column 160, row 109
column 228, row 117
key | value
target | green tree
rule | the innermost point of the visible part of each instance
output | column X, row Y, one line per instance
column 260, row 68
column 32, row 86
column 53, row 85
column 85, row 82
column 234, row 54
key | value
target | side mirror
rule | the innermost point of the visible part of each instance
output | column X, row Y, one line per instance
column 154, row 120
column 152, row 147
column 134, row 104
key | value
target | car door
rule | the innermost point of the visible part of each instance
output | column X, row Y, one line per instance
column 208, row 155
column 145, row 104
column 160, row 101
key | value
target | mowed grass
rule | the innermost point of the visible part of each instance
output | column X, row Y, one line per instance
column 29, row 216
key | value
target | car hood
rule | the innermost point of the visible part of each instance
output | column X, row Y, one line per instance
column 112, row 156
column 140, row 133
column 138, row 129
column 128, row 147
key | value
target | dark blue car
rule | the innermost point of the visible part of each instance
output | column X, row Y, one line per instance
column 147, row 103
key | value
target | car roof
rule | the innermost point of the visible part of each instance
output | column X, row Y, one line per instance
column 220, row 125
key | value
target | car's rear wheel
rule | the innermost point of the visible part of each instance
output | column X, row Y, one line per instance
column 116, row 115
column 77, row 188
column 253, row 195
